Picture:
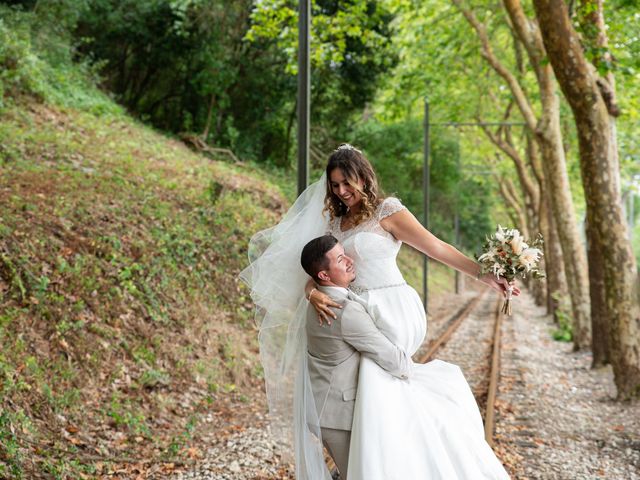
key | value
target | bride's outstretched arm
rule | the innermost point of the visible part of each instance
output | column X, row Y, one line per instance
column 406, row 228
column 321, row 302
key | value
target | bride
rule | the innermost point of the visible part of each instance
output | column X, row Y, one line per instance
column 427, row 428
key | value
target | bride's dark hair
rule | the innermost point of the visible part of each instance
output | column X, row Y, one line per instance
column 355, row 166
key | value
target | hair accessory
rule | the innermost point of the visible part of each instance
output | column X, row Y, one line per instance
column 347, row 146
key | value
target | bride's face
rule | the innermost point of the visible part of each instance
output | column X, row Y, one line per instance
column 343, row 190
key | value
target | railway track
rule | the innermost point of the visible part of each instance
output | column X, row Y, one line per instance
column 450, row 327
column 484, row 395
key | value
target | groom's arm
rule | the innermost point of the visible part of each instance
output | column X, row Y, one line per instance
column 359, row 331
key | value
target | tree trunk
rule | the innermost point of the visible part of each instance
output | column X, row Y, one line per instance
column 517, row 216
column 573, row 253
column 607, row 229
column 600, row 341
column 287, row 146
column 207, row 127
column 591, row 15
column 534, row 212
column 556, row 277
column 556, row 282
column 554, row 264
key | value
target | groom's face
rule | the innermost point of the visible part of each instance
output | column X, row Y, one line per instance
column 341, row 271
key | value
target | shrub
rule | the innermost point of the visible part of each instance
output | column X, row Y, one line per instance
column 564, row 331
column 36, row 59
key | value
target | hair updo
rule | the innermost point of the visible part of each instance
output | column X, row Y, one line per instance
column 355, row 166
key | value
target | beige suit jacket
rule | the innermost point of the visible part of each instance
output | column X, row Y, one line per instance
column 334, row 357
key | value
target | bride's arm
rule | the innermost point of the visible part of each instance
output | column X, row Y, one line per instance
column 321, row 302
column 406, row 228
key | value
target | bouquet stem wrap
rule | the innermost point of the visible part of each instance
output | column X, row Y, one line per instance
column 506, row 306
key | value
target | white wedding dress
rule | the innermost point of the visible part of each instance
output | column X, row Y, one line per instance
column 426, row 428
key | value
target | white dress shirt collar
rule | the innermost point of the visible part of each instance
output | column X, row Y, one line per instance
column 335, row 292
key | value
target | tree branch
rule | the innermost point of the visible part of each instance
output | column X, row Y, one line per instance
column 528, row 186
column 500, row 69
column 512, row 203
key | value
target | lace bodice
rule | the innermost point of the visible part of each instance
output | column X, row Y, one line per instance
column 373, row 249
column 388, row 207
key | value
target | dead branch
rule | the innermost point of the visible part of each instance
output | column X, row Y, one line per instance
column 198, row 144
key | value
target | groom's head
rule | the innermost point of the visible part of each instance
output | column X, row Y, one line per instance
column 323, row 258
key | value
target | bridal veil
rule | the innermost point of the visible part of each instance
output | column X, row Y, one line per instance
column 277, row 282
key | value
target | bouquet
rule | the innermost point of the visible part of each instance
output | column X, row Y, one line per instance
column 506, row 254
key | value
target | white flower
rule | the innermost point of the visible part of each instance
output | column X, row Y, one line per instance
column 485, row 256
column 497, row 269
column 488, row 255
column 530, row 257
column 500, row 234
column 517, row 243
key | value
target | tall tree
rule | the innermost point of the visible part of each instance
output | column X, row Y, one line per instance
column 549, row 138
column 595, row 43
column 556, row 278
column 607, row 230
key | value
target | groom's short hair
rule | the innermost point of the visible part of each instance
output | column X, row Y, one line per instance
column 313, row 258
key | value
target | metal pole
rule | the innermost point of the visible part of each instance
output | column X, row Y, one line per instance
column 304, row 87
column 426, row 174
column 456, row 221
column 631, row 212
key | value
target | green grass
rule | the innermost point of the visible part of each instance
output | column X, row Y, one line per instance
column 36, row 59
column 441, row 278
column 117, row 254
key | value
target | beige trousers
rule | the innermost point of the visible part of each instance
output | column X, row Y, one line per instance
column 337, row 443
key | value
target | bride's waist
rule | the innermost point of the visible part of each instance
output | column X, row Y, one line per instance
column 360, row 289
column 376, row 282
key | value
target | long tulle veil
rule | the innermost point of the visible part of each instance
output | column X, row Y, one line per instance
column 277, row 285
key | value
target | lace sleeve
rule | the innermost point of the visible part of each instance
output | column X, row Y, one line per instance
column 390, row 206
column 332, row 227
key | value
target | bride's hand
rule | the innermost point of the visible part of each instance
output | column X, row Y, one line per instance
column 322, row 303
column 500, row 284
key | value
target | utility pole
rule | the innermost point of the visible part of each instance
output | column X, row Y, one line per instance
column 459, row 278
column 426, row 176
column 304, row 87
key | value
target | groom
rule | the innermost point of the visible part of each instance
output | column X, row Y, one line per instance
column 334, row 350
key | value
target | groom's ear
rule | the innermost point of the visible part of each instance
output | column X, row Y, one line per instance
column 324, row 276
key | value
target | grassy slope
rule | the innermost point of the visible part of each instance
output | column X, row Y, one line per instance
column 120, row 304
